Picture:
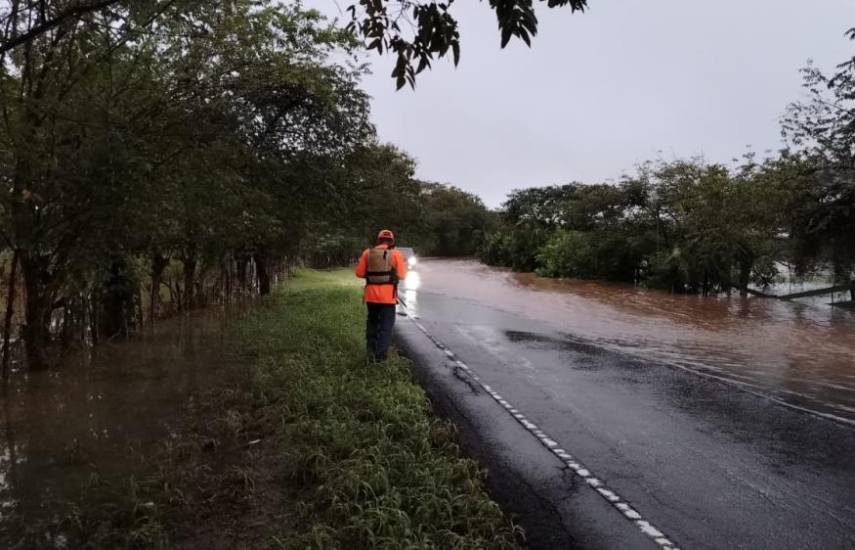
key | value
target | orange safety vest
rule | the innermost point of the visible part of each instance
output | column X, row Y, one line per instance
column 381, row 267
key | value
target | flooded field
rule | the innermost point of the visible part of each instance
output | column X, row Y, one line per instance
column 802, row 354
column 102, row 414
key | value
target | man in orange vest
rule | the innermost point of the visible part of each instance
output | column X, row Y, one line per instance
column 382, row 267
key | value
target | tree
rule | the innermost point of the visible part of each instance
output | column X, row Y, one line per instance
column 453, row 222
column 686, row 226
column 43, row 17
column 165, row 130
column 822, row 130
column 375, row 188
column 434, row 32
column 381, row 23
column 61, row 112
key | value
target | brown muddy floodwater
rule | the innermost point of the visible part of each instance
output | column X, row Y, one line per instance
column 799, row 353
column 103, row 413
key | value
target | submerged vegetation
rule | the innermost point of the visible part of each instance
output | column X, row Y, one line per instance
column 683, row 226
column 302, row 445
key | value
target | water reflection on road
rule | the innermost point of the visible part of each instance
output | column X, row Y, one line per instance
column 803, row 354
column 409, row 292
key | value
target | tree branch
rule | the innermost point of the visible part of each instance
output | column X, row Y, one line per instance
column 47, row 24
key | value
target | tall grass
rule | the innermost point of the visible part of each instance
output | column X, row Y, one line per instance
column 368, row 464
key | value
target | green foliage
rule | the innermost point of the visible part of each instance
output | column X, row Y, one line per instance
column 433, row 33
column 207, row 132
column 368, row 189
column 542, row 207
column 436, row 219
column 516, row 248
column 685, row 226
column 453, row 222
column 371, row 467
column 587, row 255
column 822, row 129
column 213, row 134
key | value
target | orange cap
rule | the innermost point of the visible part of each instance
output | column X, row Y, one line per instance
column 386, row 234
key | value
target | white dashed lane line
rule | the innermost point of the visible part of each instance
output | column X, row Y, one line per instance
column 613, row 498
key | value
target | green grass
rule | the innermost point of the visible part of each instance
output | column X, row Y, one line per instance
column 368, row 464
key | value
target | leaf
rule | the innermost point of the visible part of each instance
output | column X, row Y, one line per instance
column 506, row 36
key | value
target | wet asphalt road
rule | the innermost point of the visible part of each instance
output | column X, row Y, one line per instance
column 709, row 465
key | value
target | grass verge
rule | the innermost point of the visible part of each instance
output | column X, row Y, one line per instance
column 367, row 462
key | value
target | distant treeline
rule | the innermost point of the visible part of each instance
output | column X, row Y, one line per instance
column 693, row 227
column 683, row 226
column 436, row 219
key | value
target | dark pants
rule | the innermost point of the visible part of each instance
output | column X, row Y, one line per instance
column 378, row 329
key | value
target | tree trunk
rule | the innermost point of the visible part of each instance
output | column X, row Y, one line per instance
column 92, row 313
column 10, row 310
column 158, row 264
column 11, row 446
column 252, row 278
column 242, row 261
column 173, row 299
column 744, row 279
column 176, row 296
column 67, row 328
column 227, row 281
column 36, row 330
column 189, row 278
column 262, row 273
column 140, row 313
column 117, row 302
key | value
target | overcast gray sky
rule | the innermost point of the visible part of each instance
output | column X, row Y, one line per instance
column 627, row 81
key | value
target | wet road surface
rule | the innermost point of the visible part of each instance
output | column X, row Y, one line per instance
column 730, row 459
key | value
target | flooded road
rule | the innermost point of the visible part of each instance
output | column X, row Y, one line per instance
column 800, row 353
column 103, row 414
column 639, row 389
